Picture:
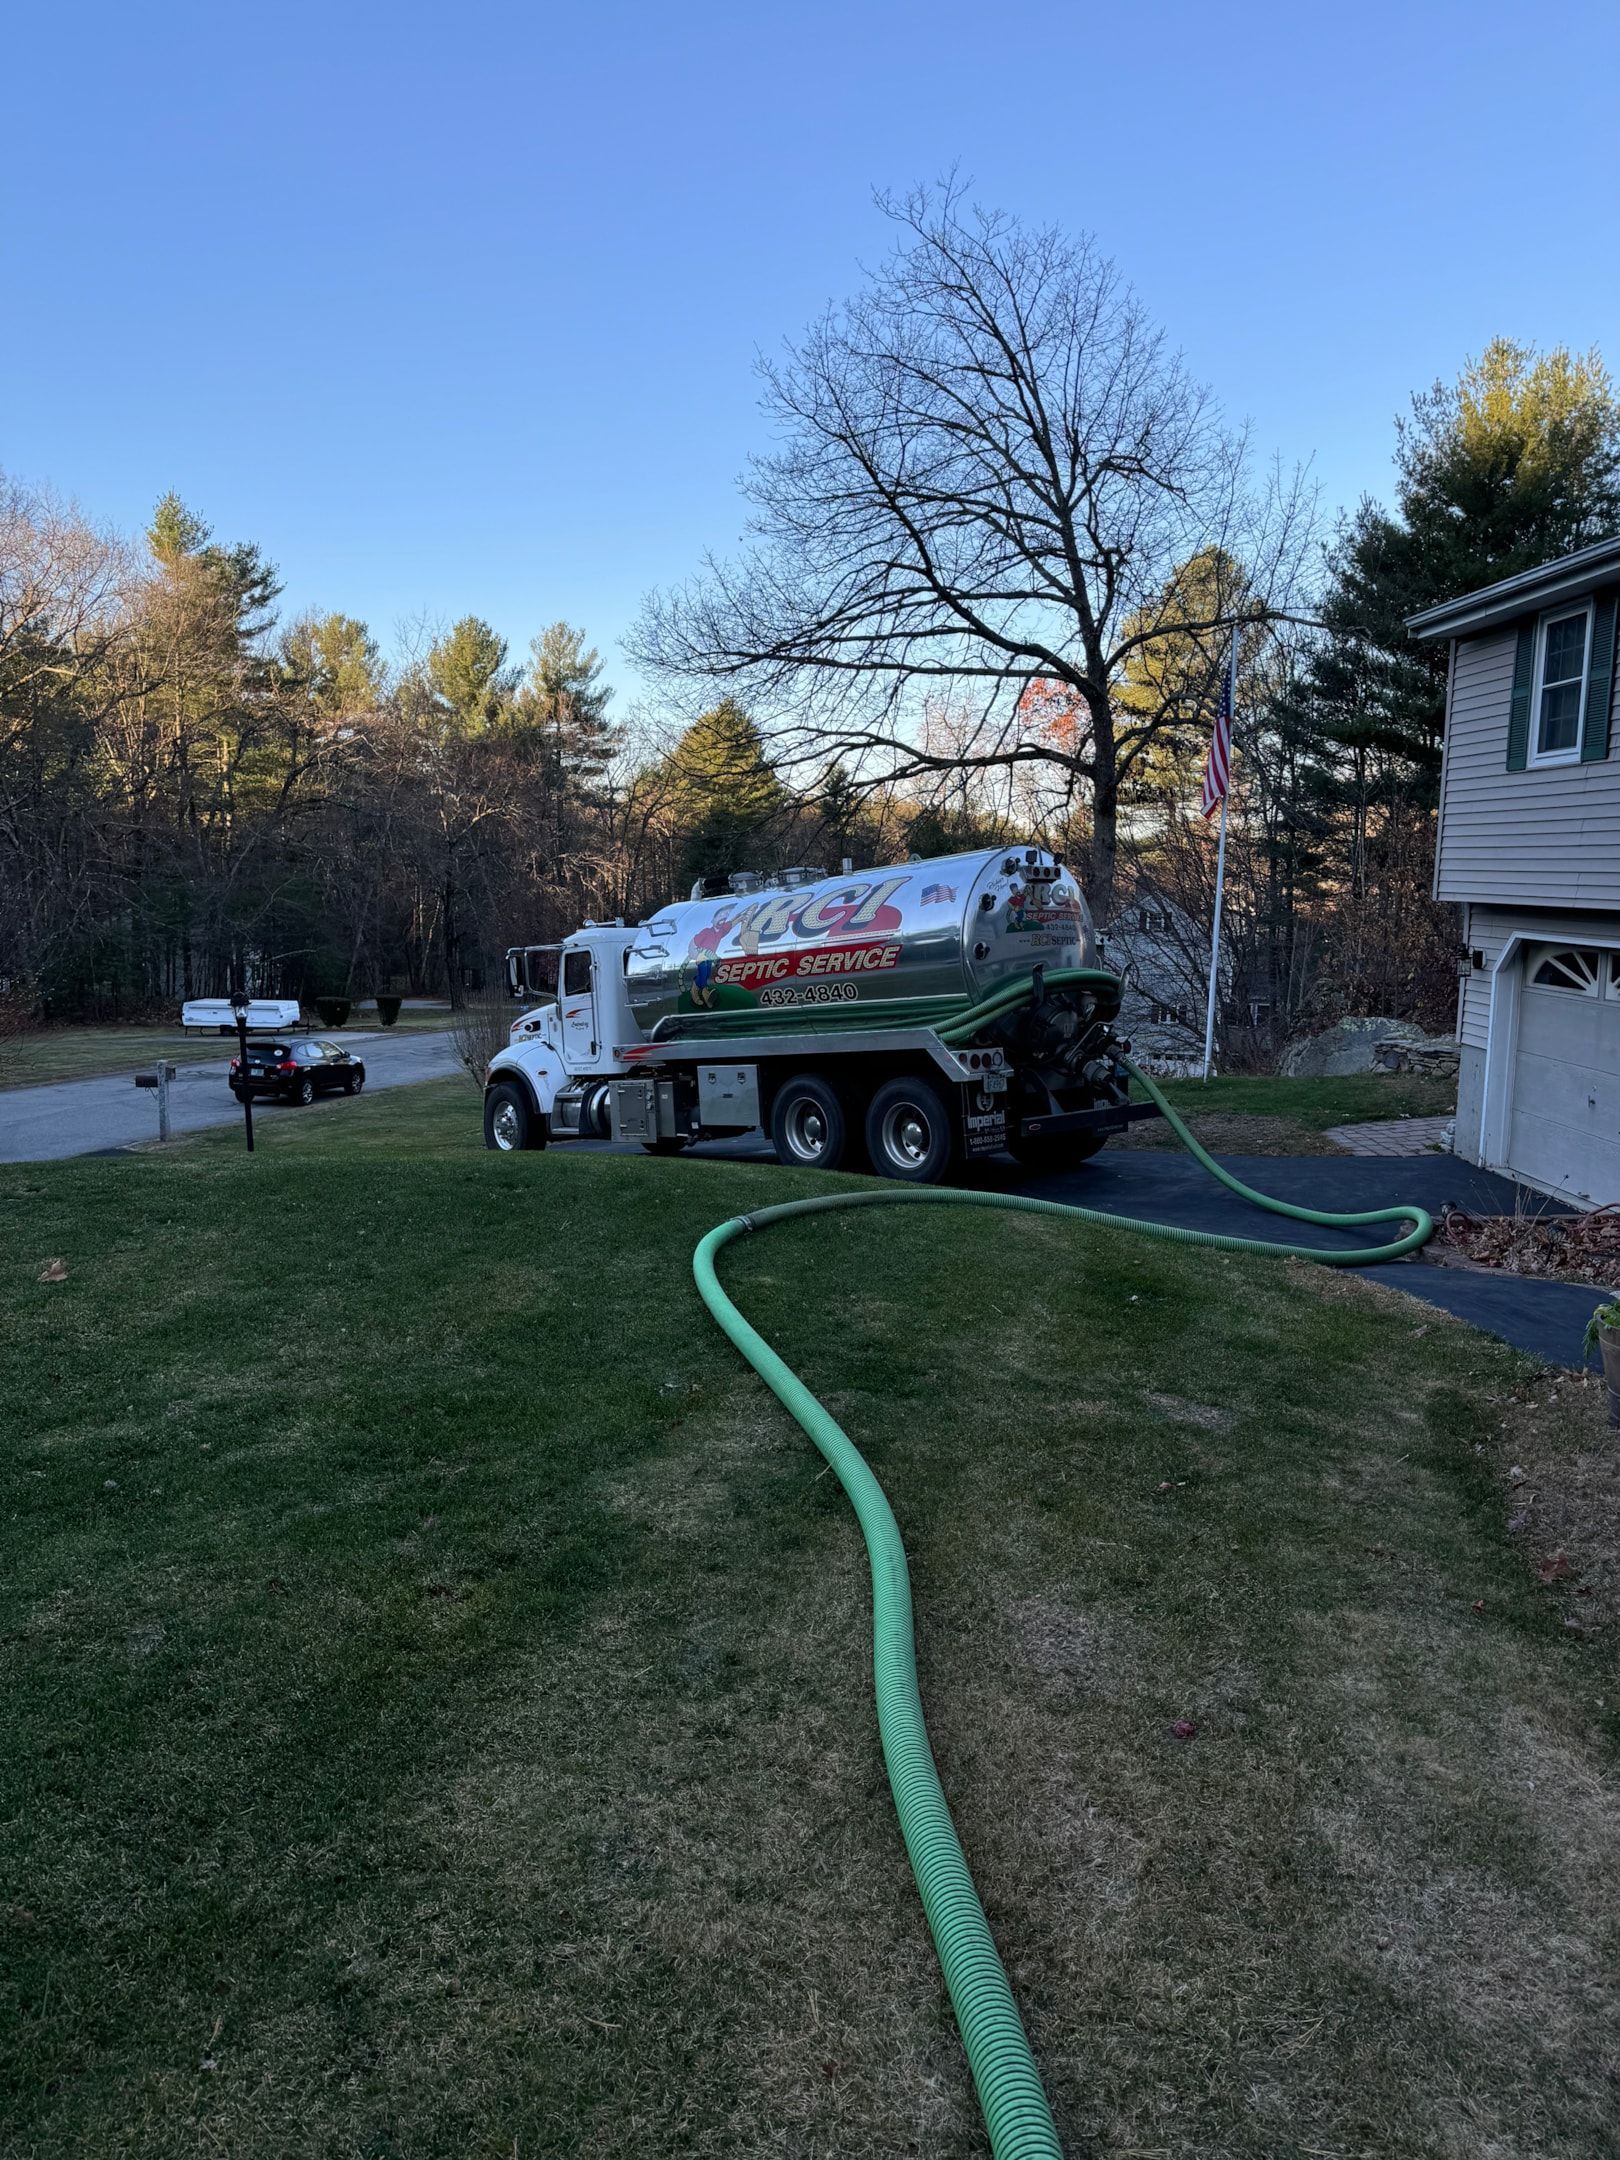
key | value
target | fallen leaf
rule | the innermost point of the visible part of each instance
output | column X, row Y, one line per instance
column 1552, row 1570
column 1479, row 1604
column 53, row 1271
column 1184, row 1729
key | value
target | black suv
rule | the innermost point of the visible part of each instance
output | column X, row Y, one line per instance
column 297, row 1071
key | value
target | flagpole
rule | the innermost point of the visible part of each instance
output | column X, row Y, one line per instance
column 1220, row 878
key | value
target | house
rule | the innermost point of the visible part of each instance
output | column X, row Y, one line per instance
column 1162, row 954
column 1529, row 850
column 1155, row 948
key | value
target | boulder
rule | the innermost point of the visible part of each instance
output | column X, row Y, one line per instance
column 1353, row 1045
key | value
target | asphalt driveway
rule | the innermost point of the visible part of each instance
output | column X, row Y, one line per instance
column 89, row 1117
column 1547, row 1319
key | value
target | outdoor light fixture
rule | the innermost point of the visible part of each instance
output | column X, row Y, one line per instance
column 240, row 1003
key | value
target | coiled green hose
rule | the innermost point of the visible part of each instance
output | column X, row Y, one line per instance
column 1011, row 2095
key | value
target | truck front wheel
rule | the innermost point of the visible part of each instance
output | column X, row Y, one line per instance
column 510, row 1121
column 809, row 1130
column 909, row 1132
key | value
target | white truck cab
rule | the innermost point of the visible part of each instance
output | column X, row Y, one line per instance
column 563, row 1051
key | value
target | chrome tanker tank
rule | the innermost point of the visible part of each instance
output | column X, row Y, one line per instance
column 953, row 927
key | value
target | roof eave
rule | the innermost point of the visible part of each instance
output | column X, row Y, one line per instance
column 1525, row 594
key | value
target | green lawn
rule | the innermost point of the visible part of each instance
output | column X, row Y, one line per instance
column 1264, row 1115
column 1353, row 1099
column 439, row 1703
column 84, row 1053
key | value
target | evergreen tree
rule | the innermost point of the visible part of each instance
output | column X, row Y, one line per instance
column 565, row 701
column 1515, row 463
column 175, row 531
column 469, row 678
column 334, row 660
column 724, row 793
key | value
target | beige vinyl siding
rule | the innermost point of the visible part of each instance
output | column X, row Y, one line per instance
column 1545, row 837
column 1489, row 930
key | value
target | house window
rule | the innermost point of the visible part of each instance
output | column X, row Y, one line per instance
column 1169, row 1015
column 1580, row 969
column 1565, row 643
column 1154, row 918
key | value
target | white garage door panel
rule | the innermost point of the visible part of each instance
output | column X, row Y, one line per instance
column 1574, row 1094
column 1565, row 1127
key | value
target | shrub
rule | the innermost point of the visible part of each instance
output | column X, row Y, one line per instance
column 388, row 1010
column 333, row 1011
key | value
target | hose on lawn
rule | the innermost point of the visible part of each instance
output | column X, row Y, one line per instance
column 1005, row 2077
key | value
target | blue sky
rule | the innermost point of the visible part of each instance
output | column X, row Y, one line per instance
column 456, row 309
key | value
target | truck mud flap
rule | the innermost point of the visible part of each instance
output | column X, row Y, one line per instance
column 984, row 1132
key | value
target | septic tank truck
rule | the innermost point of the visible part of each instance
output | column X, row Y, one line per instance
column 902, row 1018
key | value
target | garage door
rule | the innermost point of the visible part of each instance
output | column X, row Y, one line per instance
column 1564, row 1130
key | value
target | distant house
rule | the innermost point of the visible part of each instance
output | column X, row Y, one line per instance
column 1163, row 955
column 1529, row 849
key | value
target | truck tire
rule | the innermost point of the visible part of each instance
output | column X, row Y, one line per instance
column 1055, row 1151
column 510, row 1120
column 671, row 1146
column 910, row 1132
column 809, row 1128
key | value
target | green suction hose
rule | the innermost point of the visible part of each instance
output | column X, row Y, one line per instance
column 1011, row 2095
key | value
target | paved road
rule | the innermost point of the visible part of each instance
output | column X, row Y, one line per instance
column 1547, row 1319
column 88, row 1117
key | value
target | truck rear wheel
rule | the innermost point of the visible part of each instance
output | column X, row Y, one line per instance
column 510, row 1122
column 1055, row 1151
column 809, row 1129
column 910, row 1133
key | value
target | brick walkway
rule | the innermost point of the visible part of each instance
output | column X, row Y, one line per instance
column 1391, row 1136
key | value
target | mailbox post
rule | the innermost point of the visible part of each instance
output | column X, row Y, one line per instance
column 159, row 1080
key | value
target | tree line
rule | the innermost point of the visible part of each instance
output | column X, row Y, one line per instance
column 998, row 559
column 194, row 793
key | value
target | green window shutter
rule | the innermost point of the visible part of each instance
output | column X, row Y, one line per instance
column 1524, row 662
column 1599, row 682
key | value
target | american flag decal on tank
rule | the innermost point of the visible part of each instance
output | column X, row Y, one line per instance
column 935, row 895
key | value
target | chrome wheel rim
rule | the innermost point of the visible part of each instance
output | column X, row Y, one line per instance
column 806, row 1129
column 504, row 1125
column 906, row 1136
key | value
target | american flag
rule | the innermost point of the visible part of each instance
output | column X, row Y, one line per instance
column 1218, row 764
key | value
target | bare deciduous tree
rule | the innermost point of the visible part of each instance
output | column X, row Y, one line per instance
column 993, row 473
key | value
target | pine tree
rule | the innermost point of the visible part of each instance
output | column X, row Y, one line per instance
column 469, row 677
column 565, row 701
column 334, row 660
column 723, row 792
column 1515, row 463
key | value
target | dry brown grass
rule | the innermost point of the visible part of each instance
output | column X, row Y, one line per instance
column 1563, row 1505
